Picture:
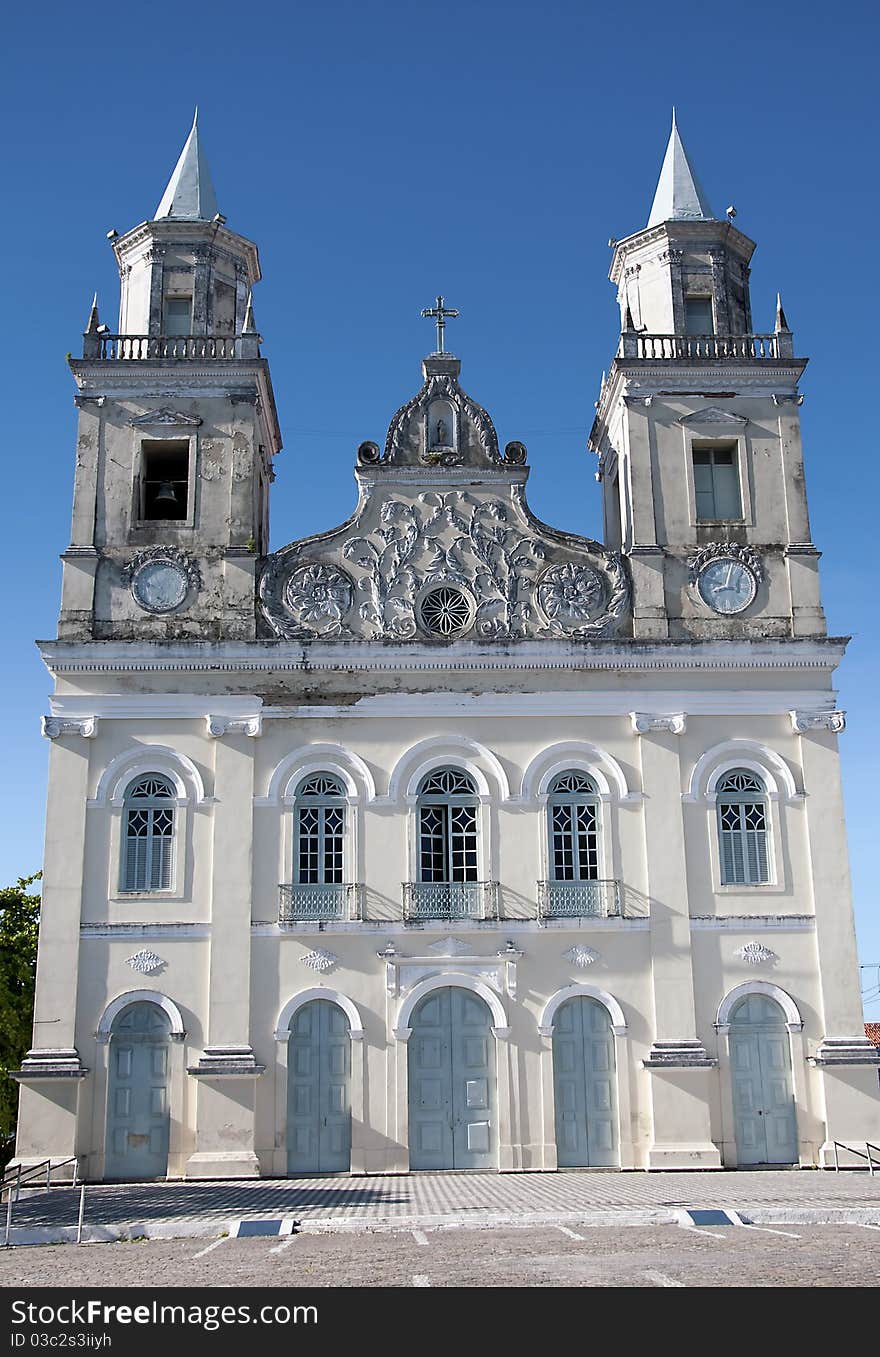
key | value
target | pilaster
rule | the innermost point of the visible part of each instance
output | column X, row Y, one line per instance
column 680, row 1067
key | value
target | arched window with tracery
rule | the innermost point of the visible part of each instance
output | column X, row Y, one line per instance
column 319, row 847
column 743, row 828
column 448, row 843
column 147, row 859
column 573, row 810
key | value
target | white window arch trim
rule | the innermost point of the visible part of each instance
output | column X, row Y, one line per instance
column 451, row 750
column 759, row 759
column 320, row 758
column 583, row 758
column 125, row 768
column 793, row 1020
column 308, row 996
column 140, row 996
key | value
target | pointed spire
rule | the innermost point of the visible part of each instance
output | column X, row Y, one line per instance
column 190, row 193
column 781, row 322
column 249, row 327
column 679, row 195
column 628, row 322
column 94, row 318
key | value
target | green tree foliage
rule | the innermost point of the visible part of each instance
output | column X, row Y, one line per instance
column 19, row 924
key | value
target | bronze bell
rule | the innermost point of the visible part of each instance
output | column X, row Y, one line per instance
column 166, row 494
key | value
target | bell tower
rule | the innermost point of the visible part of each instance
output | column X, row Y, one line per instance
column 177, row 431
column 698, row 432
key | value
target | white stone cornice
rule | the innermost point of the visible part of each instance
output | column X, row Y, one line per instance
column 217, row 726
column 158, row 707
column 461, row 657
column 803, row 722
column 54, row 726
column 646, row 723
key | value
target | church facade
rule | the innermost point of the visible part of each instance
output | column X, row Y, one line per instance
column 442, row 839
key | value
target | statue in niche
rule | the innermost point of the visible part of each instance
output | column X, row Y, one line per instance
column 442, row 433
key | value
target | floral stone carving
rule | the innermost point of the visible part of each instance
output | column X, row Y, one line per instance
column 145, row 962
column 755, row 954
column 318, row 597
column 319, row 960
column 571, row 595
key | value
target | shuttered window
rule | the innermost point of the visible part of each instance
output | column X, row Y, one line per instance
column 148, row 840
column 743, row 829
column 716, row 483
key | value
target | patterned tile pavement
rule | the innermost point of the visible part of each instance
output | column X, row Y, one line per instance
column 374, row 1201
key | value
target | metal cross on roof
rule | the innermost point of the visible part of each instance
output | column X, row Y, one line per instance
column 439, row 313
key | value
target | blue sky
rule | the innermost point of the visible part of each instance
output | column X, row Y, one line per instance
column 380, row 153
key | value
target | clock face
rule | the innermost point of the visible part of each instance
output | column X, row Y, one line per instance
column 160, row 586
column 727, row 585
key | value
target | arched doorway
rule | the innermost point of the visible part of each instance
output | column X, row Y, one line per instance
column 138, row 1104
column 584, row 1082
column 765, row 1121
column 319, row 1090
column 452, row 1118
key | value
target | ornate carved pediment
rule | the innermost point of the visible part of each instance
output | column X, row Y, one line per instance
column 155, row 418
column 441, row 566
column 441, row 426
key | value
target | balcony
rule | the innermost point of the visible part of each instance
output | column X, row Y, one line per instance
column 449, row 900
column 578, row 899
column 705, row 348
column 106, row 348
column 319, row 904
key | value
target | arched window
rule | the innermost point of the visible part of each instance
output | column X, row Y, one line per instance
column 448, row 845
column 742, row 829
column 319, row 844
column 149, row 834
column 573, row 810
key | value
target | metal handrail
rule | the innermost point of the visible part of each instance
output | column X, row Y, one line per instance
column 868, row 1153
column 449, row 900
column 18, row 1176
column 578, row 899
column 339, row 902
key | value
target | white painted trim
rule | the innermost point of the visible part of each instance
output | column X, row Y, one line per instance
column 574, row 991
column 316, row 758
column 610, row 702
column 754, row 923
column 150, row 758
column 140, row 996
column 157, row 706
column 500, row 1021
column 237, row 656
column 438, row 751
column 583, row 756
column 793, row 1018
column 739, row 753
column 307, row 996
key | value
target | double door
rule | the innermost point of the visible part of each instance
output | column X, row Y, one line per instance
column 452, row 1120
column 763, row 1093
column 318, row 1090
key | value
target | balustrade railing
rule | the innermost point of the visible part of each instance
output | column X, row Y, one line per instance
column 450, row 900
column 703, row 347
column 319, row 904
column 137, row 348
column 578, row 899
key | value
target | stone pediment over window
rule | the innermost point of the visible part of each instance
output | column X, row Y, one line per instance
column 443, row 546
column 175, row 418
column 713, row 415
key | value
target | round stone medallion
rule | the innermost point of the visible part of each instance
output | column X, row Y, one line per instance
column 571, row 595
column 159, row 586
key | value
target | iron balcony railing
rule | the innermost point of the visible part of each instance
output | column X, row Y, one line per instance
column 578, row 899
column 137, row 348
column 450, row 900
column 633, row 344
column 319, row 904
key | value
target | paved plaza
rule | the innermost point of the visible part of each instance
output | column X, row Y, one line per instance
column 595, row 1198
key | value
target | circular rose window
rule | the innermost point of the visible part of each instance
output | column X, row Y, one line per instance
column 446, row 611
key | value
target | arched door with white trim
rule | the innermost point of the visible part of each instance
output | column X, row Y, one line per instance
column 765, row 1119
column 138, row 1111
column 453, row 1122
column 584, row 1083
column 319, row 1090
